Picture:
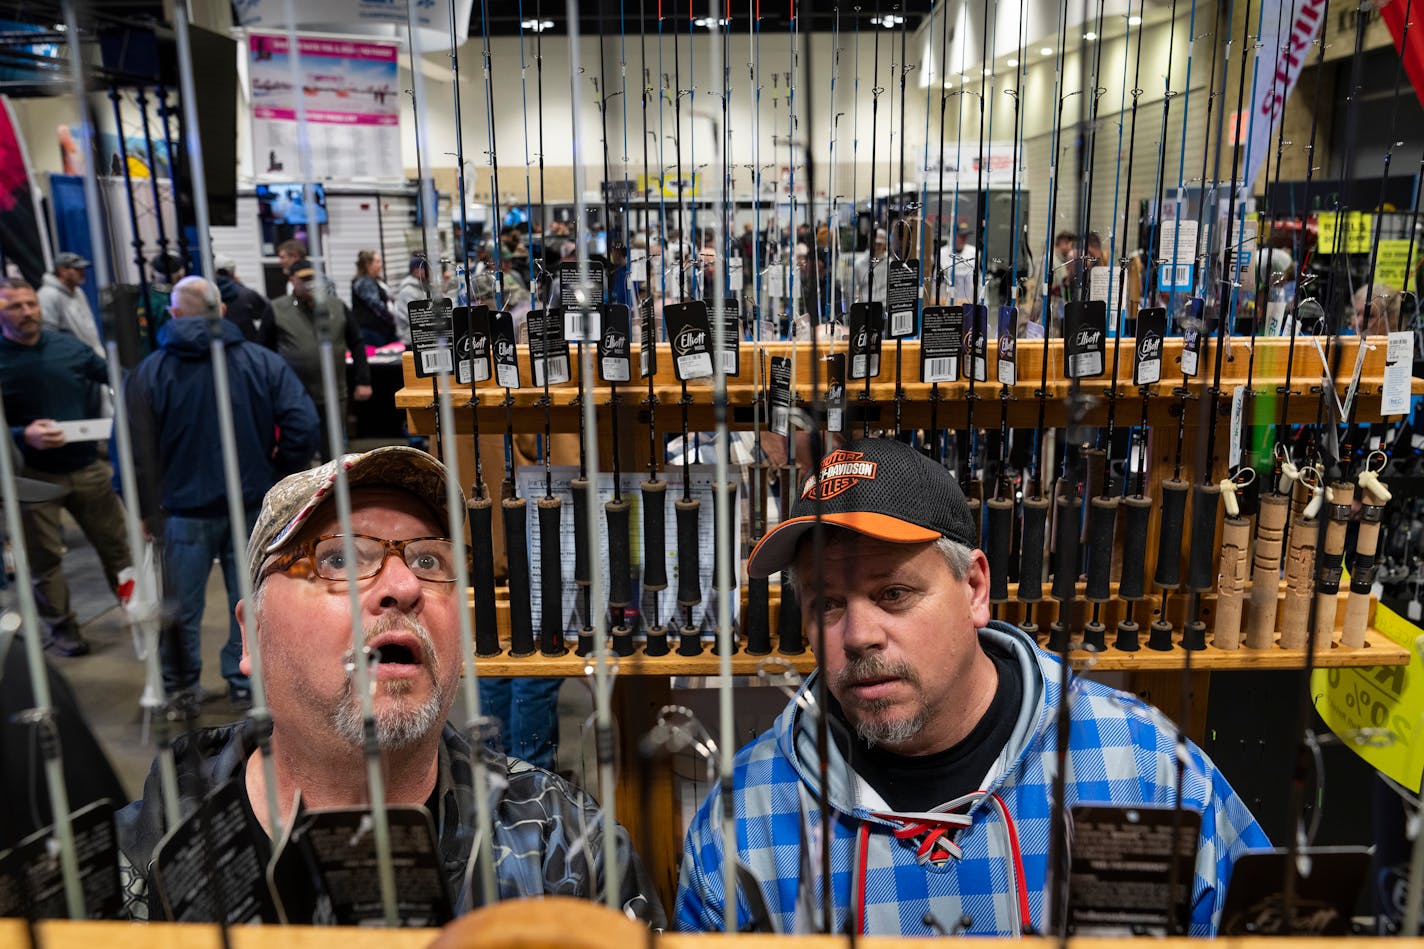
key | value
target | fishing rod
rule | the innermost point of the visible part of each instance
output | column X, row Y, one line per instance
column 140, row 265
column 976, row 310
column 825, row 313
column 903, row 322
column 865, row 322
column 855, row 150
column 936, row 266
column 141, row 102
column 174, row 155
column 431, row 266
column 758, row 619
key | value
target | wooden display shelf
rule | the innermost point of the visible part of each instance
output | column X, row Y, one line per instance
column 948, row 402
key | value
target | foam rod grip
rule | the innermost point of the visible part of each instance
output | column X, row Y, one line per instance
column 1095, row 464
column 579, row 487
column 1136, row 516
column 1169, row 534
column 516, row 546
column 1231, row 581
column 481, row 512
column 689, row 576
column 1362, row 577
column 1266, row 571
column 654, row 535
column 620, row 586
column 1035, row 525
column 788, row 623
column 1102, row 519
column 551, row 578
column 1300, row 561
column 1201, row 562
column 757, row 628
column 718, row 546
column 976, row 515
column 1067, row 528
column 1000, row 540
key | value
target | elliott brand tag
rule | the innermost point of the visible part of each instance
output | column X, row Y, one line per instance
column 548, row 350
column 835, row 392
column 647, row 339
column 689, row 330
column 1151, row 328
column 572, row 294
column 976, row 340
column 472, row 344
column 902, row 298
column 432, row 335
column 614, row 361
column 731, row 336
column 780, row 394
column 506, row 352
column 1085, row 338
column 867, row 324
column 1191, row 323
column 1008, row 345
column 941, row 342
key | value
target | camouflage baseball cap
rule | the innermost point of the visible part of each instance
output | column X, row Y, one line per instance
column 293, row 500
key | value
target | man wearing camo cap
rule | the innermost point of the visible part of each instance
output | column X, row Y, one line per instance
column 299, row 612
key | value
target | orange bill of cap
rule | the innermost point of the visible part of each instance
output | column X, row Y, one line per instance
column 778, row 547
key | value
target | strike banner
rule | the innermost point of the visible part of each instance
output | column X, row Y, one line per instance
column 1286, row 45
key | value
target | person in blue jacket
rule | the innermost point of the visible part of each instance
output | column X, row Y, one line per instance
column 943, row 726
column 178, row 459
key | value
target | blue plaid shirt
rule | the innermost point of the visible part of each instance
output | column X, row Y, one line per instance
column 1121, row 751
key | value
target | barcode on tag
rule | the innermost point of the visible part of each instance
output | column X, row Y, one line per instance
column 581, row 326
column 857, row 367
column 1087, row 364
column 643, row 355
column 507, row 376
column 558, row 370
column 695, row 366
column 902, row 324
column 615, row 370
column 436, row 360
column 729, row 361
column 1189, row 362
column 942, row 369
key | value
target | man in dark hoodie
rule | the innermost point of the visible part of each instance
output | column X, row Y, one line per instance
column 245, row 306
column 178, row 459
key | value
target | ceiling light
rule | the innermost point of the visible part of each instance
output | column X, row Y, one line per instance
column 1134, row 20
column 965, row 77
column 988, row 72
column 538, row 26
column 1047, row 51
column 1013, row 63
column 948, row 84
column 889, row 20
column 708, row 22
column 61, row 27
column 1090, row 36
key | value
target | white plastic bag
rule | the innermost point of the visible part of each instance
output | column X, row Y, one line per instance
column 140, row 595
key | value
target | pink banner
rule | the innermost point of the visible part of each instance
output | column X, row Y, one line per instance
column 370, row 52
column 325, row 117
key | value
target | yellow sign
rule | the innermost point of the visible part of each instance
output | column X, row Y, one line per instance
column 1359, row 229
column 667, row 186
column 1392, row 265
column 1379, row 712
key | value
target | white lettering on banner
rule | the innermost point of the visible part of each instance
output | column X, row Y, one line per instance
column 1278, row 68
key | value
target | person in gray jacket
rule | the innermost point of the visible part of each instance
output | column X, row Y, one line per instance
column 64, row 307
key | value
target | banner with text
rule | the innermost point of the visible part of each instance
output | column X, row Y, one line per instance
column 1281, row 54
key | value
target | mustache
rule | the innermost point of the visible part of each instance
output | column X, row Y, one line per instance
column 406, row 622
column 875, row 666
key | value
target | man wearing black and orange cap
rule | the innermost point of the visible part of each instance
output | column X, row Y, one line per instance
column 302, row 323
column 943, row 753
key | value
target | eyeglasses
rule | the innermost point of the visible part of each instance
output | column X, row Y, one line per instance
column 429, row 558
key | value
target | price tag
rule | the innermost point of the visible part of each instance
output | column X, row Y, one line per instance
column 902, row 298
column 1103, row 285
column 867, row 323
column 647, row 339
column 734, row 274
column 1178, row 248
column 581, row 325
column 548, row 350
column 1190, row 321
column 1238, row 405
column 431, row 335
column 506, row 352
column 976, row 340
column 1008, row 345
column 614, row 362
column 1395, row 399
column 941, row 342
column 472, row 344
column 1147, row 353
column 1084, row 331
column 638, row 269
column 689, row 332
column 835, row 392
column 731, row 355
column 780, row 395
column 574, row 293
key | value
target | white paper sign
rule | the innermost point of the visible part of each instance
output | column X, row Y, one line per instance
column 1395, row 399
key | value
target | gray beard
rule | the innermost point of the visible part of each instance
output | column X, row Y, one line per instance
column 873, row 733
column 890, row 732
column 396, row 728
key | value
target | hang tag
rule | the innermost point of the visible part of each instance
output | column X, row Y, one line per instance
column 581, row 325
column 218, row 826
column 1354, row 386
column 731, row 336
column 32, row 880
column 735, row 280
column 1238, row 404
column 1033, row 331
column 867, row 324
column 976, row 340
column 1275, row 317
column 574, row 294
column 1151, row 328
column 689, row 331
column 1395, row 399
column 432, row 335
column 647, row 339
column 1103, row 285
column 1190, row 321
column 548, row 350
column 902, row 298
column 472, row 344
column 638, row 269
column 941, row 343
column 506, row 351
column 1177, row 246
column 1084, row 332
column 835, row 392
column 780, row 394
column 614, row 362
column 1008, row 345
column 773, row 281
